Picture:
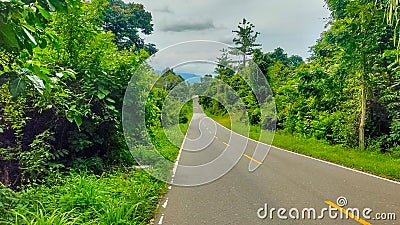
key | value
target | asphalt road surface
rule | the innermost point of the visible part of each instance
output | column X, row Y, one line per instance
column 284, row 180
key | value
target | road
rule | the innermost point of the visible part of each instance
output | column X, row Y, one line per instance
column 284, row 180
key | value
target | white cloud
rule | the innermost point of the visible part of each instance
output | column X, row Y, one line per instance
column 291, row 24
column 183, row 25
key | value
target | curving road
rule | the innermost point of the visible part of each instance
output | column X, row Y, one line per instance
column 284, row 180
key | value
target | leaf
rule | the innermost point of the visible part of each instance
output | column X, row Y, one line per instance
column 101, row 95
column 105, row 91
column 70, row 73
column 51, row 7
column 70, row 117
column 8, row 35
column 78, row 121
column 111, row 107
column 110, row 100
column 43, row 12
column 57, row 5
column 29, row 35
column 17, row 87
column 37, row 83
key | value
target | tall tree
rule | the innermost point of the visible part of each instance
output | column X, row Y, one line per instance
column 224, row 64
column 359, row 37
column 245, row 39
column 127, row 21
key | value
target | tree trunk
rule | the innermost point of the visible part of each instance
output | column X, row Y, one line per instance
column 363, row 117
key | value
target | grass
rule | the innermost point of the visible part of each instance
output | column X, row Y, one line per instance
column 120, row 196
column 187, row 113
column 374, row 162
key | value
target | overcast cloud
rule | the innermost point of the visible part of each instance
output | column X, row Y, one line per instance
column 184, row 25
column 293, row 25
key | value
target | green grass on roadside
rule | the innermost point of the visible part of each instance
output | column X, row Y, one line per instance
column 120, row 197
column 377, row 163
column 186, row 113
column 224, row 120
column 368, row 161
column 123, row 196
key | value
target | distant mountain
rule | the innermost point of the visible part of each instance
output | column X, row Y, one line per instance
column 186, row 76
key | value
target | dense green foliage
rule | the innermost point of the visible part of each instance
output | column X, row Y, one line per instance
column 68, row 109
column 374, row 162
column 125, row 20
column 64, row 69
column 348, row 91
column 65, row 66
column 127, row 197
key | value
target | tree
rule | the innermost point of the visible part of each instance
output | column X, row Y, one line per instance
column 245, row 39
column 21, row 30
column 21, row 24
column 168, row 80
column 224, row 64
column 126, row 21
column 355, row 43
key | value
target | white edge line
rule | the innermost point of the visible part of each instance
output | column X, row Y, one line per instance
column 309, row 157
column 165, row 204
column 174, row 171
column 180, row 152
column 161, row 219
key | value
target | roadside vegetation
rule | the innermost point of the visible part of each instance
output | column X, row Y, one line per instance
column 340, row 105
column 64, row 69
column 65, row 66
column 371, row 161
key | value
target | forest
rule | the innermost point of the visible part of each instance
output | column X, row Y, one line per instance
column 65, row 66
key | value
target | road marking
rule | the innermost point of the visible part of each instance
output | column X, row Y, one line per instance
column 351, row 215
column 251, row 158
column 165, row 204
column 309, row 157
column 226, row 144
column 161, row 219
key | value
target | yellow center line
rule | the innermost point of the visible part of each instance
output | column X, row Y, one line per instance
column 351, row 215
column 251, row 158
column 226, row 143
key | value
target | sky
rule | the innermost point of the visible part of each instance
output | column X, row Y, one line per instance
column 293, row 25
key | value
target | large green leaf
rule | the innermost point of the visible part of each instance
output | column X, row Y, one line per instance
column 17, row 87
column 29, row 35
column 7, row 35
column 37, row 83
column 78, row 121
column 46, row 14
